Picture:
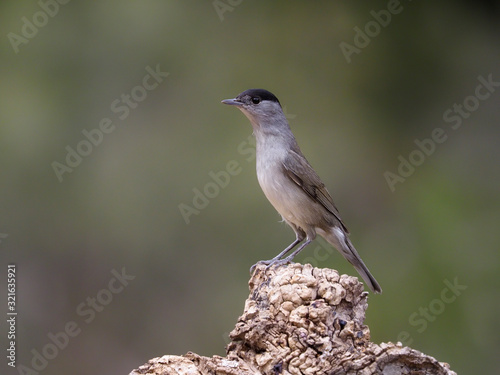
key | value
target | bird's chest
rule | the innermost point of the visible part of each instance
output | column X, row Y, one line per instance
column 271, row 181
column 279, row 189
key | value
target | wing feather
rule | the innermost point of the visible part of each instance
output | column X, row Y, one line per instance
column 300, row 171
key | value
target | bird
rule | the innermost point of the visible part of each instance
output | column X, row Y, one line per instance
column 291, row 184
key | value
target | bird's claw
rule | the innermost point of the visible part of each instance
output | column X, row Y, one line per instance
column 279, row 263
column 265, row 262
column 270, row 263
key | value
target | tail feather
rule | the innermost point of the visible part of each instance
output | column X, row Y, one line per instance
column 338, row 238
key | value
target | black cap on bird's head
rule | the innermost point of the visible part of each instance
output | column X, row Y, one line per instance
column 263, row 109
column 252, row 97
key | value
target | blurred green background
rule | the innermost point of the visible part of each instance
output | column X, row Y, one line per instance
column 119, row 206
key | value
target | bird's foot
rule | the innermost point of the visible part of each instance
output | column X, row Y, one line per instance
column 279, row 262
column 271, row 263
column 264, row 262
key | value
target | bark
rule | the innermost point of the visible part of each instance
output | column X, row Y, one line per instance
column 302, row 320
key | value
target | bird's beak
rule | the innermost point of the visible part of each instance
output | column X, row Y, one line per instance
column 232, row 102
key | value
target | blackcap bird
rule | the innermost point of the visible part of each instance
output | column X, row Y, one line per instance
column 291, row 184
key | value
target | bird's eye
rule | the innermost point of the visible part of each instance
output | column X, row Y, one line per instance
column 255, row 100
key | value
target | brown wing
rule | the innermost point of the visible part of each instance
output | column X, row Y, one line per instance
column 300, row 171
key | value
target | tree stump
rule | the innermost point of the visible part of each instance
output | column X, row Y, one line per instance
column 302, row 320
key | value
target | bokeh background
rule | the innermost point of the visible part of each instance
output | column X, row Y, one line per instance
column 119, row 207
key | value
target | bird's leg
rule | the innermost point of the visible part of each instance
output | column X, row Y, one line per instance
column 288, row 259
column 298, row 239
column 279, row 262
column 292, row 255
column 284, row 252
